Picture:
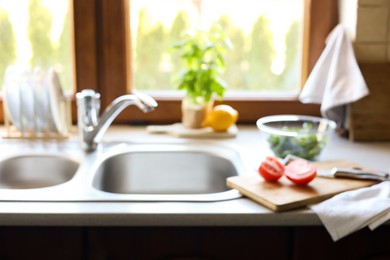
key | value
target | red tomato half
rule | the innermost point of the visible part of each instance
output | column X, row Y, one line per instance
column 271, row 169
column 300, row 172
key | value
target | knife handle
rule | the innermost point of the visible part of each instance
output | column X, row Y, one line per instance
column 360, row 174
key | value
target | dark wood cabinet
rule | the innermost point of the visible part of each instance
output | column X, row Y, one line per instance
column 316, row 243
column 42, row 243
column 189, row 243
column 100, row 243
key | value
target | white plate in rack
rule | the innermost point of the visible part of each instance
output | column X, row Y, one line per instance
column 57, row 102
column 43, row 117
column 26, row 94
column 11, row 95
column 18, row 97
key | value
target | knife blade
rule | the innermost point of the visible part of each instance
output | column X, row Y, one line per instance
column 353, row 174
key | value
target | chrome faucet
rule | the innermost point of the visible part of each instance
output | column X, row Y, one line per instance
column 91, row 127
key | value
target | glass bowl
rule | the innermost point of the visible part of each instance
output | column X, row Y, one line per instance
column 303, row 136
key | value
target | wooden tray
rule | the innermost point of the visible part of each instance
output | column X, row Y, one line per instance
column 179, row 130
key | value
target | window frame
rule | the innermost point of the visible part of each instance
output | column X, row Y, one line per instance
column 103, row 61
column 320, row 18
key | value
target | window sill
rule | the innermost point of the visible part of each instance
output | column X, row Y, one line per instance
column 168, row 110
column 250, row 109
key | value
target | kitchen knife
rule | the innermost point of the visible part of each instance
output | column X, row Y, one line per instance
column 353, row 174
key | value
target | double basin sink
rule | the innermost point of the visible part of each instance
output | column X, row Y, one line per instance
column 188, row 171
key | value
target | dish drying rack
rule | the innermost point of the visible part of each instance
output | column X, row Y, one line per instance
column 32, row 130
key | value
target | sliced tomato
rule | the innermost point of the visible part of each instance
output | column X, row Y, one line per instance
column 300, row 172
column 271, row 169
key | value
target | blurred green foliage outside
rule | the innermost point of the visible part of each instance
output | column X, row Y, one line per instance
column 248, row 64
column 45, row 52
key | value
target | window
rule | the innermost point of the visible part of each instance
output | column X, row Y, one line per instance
column 319, row 18
column 266, row 36
column 103, row 59
column 36, row 34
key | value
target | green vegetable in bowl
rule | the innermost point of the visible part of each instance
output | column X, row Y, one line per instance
column 306, row 145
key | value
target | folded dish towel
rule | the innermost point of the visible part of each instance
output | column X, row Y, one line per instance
column 336, row 79
column 350, row 211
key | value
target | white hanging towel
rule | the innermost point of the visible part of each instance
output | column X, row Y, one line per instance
column 336, row 79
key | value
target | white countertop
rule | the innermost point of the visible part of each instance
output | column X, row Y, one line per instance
column 237, row 212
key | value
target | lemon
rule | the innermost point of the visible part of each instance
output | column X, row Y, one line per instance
column 220, row 118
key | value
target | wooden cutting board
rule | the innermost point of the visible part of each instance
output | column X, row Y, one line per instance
column 284, row 195
column 178, row 130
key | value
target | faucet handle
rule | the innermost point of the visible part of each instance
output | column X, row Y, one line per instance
column 88, row 103
column 89, row 98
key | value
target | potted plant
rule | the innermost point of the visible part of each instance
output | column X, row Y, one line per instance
column 202, row 54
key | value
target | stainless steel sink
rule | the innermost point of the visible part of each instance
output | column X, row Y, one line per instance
column 165, row 170
column 36, row 171
column 184, row 171
column 172, row 172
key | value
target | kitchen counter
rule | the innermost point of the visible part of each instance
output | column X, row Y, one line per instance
column 237, row 212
